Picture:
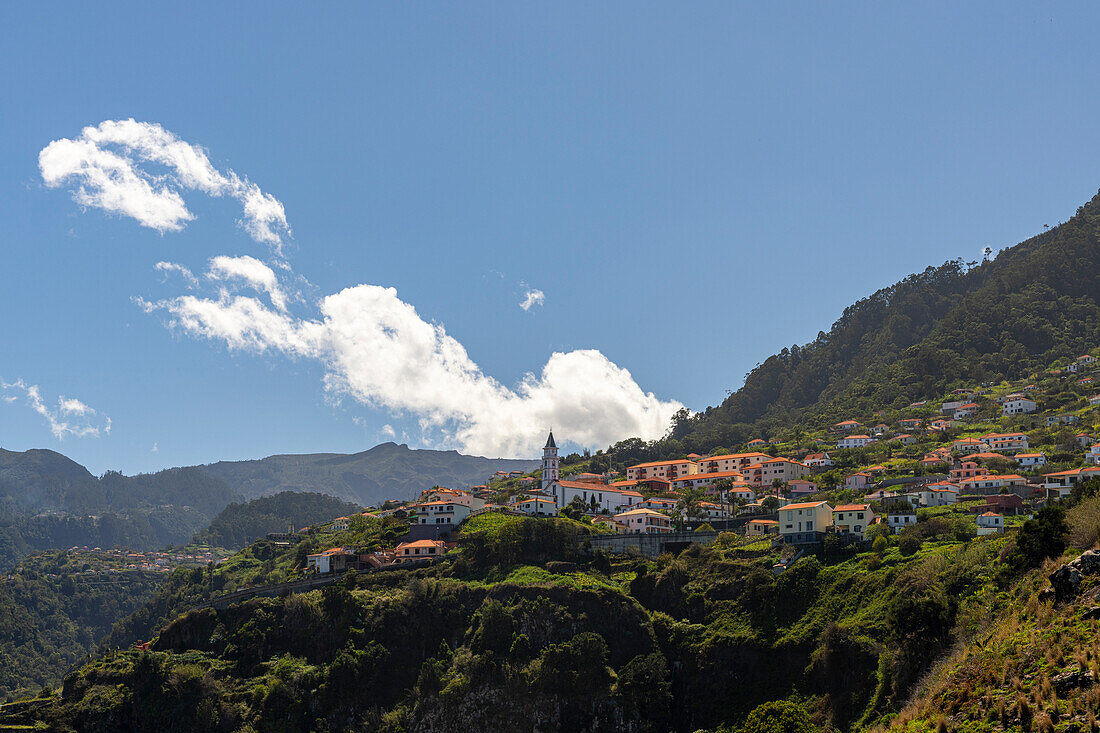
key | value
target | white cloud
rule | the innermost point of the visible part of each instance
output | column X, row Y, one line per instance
column 388, row 431
column 70, row 417
column 108, row 166
column 253, row 272
column 532, row 298
column 155, row 449
column 376, row 349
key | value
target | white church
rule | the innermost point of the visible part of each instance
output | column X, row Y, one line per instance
column 600, row 498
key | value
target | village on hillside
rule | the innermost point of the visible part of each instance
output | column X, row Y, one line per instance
column 984, row 456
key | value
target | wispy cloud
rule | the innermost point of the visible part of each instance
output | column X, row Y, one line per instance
column 109, row 165
column 531, row 298
column 374, row 347
column 69, row 417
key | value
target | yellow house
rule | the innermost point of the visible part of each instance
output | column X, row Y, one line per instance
column 806, row 522
column 853, row 519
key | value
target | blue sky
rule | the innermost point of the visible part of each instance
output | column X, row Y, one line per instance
column 691, row 186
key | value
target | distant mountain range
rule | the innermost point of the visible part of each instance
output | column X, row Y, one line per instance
column 386, row 471
column 49, row 501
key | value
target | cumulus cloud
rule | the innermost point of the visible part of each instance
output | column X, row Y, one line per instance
column 532, row 298
column 139, row 170
column 376, row 349
column 251, row 271
column 69, row 417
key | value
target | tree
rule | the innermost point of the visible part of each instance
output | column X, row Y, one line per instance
column 779, row 717
column 1039, row 538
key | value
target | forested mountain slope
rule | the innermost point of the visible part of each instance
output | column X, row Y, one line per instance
column 1035, row 303
column 386, row 471
column 240, row 524
column 521, row 630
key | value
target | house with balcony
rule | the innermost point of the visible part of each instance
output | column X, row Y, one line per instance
column 644, row 521
column 705, row 481
column 667, row 470
column 1006, row 441
column 992, row 483
column 1018, row 405
column 969, row 445
column 731, row 462
column 1092, row 455
column 438, row 512
column 967, row 469
column 420, row 550
column 1061, row 483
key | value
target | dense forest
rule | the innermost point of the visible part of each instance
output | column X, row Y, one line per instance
column 240, row 524
column 957, row 324
column 53, row 615
column 522, row 630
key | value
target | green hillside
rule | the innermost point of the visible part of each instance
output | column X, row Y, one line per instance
column 521, row 630
column 963, row 323
column 240, row 524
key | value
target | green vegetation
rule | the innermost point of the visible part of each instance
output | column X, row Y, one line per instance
column 959, row 324
column 521, row 627
column 54, row 612
column 239, row 524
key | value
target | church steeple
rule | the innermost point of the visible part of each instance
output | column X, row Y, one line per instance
column 549, row 462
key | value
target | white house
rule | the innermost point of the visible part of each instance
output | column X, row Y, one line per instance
column 340, row 524
column 966, row 410
column 1006, row 441
column 898, row 522
column 1031, row 459
column 1094, row 399
column 537, row 506
column 991, row 523
column 1018, row 405
column 1061, row 420
column 855, row 441
column 597, row 497
column 986, row 484
column 1093, row 454
column 439, row 512
column 1064, row 481
column 818, row 460
column 644, row 521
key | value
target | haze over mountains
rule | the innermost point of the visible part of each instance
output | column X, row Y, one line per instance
column 48, row 500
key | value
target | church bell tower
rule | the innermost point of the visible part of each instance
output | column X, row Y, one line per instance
column 549, row 462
